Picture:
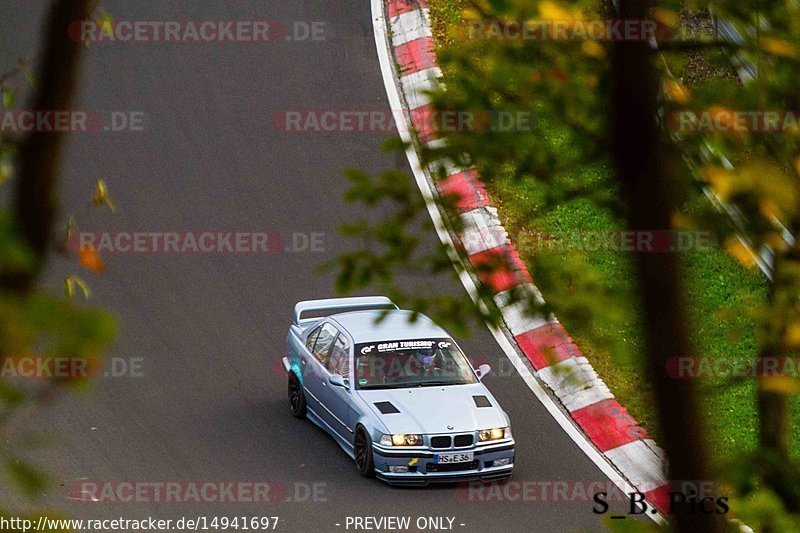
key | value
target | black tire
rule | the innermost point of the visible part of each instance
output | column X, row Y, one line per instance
column 297, row 399
column 363, row 452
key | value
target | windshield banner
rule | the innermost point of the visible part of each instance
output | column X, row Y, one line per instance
column 375, row 348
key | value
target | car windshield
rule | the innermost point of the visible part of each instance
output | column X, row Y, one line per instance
column 411, row 363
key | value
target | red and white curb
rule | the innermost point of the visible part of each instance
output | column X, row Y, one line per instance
column 405, row 47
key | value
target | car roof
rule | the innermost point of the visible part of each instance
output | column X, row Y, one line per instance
column 394, row 326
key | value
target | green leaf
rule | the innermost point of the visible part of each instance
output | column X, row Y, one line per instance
column 8, row 98
column 32, row 79
column 27, row 477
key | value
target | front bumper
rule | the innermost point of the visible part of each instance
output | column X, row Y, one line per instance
column 422, row 470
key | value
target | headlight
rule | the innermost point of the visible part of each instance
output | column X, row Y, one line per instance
column 494, row 434
column 401, row 439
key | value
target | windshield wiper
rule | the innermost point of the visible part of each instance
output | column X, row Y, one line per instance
column 437, row 383
column 413, row 384
column 373, row 387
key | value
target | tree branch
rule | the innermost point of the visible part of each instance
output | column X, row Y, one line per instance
column 35, row 200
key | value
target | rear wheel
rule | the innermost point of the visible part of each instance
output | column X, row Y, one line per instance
column 297, row 399
column 363, row 452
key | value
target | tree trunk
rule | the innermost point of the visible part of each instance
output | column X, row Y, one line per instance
column 36, row 202
column 773, row 410
column 774, row 414
column 640, row 167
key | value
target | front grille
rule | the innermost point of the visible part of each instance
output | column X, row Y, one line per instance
column 462, row 440
column 451, row 467
column 440, row 442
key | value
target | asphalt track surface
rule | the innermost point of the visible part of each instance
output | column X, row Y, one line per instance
column 209, row 327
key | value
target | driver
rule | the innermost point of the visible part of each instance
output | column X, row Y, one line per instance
column 427, row 359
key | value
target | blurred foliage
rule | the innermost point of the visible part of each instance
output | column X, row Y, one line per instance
column 37, row 325
column 566, row 84
column 396, row 245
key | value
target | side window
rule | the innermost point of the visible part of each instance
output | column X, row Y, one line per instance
column 312, row 337
column 339, row 362
column 322, row 346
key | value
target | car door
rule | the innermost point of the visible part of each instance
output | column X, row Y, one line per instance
column 313, row 366
column 337, row 398
column 303, row 350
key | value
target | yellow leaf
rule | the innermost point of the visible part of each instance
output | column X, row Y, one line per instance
column 677, row 92
column 470, row 13
column 681, row 221
column 555, row 11
column 739, row 251
column 780, row 384
column 69, row 286
column 71, row 225
column 593, row 49
column 665, row 17
column 106, row 23
column 769, row 208
column 775, row 240
column 778, row 47
column 720, row 180
column 792, row 336
column 101, row 196
column 775, row 189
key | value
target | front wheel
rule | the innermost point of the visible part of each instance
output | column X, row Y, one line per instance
column 363, row 451
column 297, row 399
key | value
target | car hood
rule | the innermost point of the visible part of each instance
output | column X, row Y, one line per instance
column 432, row 409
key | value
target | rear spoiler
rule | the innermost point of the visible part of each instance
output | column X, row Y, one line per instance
column 335, row 304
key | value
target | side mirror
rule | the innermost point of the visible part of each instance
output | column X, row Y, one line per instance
column 336, row 380
column 482, row 370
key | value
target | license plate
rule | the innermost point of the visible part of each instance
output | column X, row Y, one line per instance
column 443, row 458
